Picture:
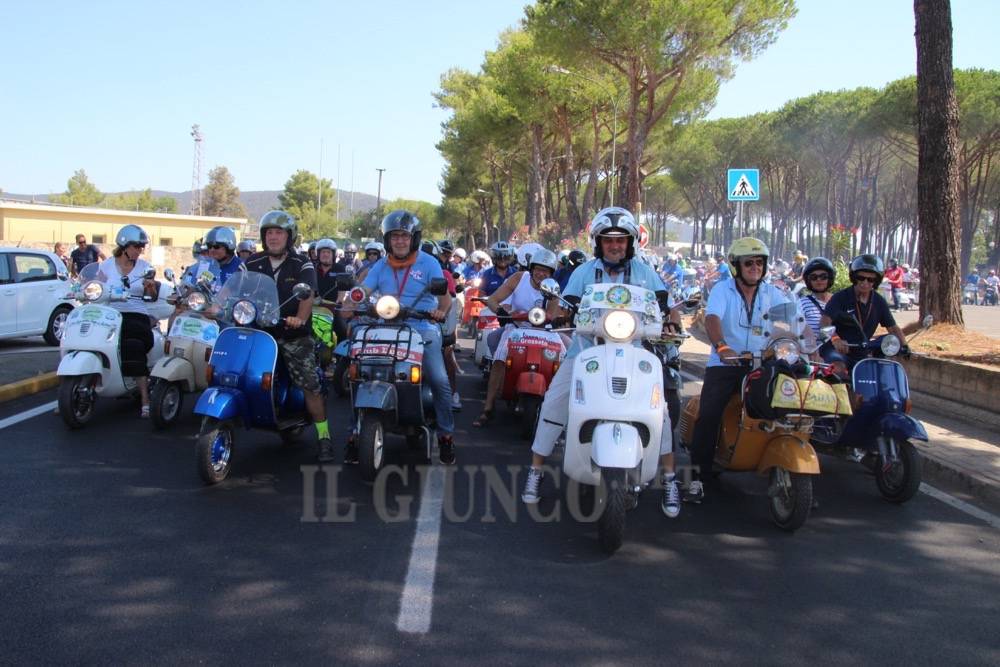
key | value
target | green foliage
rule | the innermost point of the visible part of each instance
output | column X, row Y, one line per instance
column 221, row 196
column 79, row 191
column 140, row 201
column 300, row 196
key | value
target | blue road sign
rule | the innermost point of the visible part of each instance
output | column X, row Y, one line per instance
column 743, row 184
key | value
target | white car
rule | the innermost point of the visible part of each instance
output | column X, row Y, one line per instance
column 33, row 286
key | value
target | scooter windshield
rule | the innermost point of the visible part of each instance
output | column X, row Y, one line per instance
column 786, row 320
column 204, row 270
column 257, row 288
column 92, row 272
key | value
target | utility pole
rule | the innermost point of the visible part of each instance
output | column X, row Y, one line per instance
column 352, row 184
column 196, row 203
column 378, row 197
column 319, row 192
column 337, row 187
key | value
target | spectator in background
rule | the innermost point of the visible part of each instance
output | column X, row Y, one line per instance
column 894, row 277
column 83, row 255
column 60, row 251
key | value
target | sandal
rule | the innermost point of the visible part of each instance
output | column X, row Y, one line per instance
column 483, row 419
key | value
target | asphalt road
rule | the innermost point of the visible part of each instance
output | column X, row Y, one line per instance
column 981, row 319
column 111, row 550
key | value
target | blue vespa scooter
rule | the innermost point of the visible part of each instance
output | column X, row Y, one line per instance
column 880, row 433
column 248, row 381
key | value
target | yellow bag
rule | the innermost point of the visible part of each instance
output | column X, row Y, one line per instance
column 820, row 396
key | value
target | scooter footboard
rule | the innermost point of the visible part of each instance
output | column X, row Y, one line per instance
column 221, row 403
column 903, row 427
column 616, row 445
column 791, row 454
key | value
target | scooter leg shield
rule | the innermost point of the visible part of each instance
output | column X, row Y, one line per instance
column 616, row 445
column 791, row 454
column 80, row 363
column 531, row 383
column 902, row 427
column 221, row 403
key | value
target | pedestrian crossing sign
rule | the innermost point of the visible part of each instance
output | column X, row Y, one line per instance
column 743, row 184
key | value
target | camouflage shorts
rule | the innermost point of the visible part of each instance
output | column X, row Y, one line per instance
column 300, row 359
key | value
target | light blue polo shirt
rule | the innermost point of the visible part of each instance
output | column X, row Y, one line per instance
column 641, row 275
column 742, row 331
column 383, row 279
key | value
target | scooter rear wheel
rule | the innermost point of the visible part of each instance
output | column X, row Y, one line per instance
column 530, row 407
column 166, row 399
column 214, row 450
column 76, row 400
column 371, row 446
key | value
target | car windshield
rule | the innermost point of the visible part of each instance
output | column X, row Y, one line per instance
column 785, row 320
column 257, row 288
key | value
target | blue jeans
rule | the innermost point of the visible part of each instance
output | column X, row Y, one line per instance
column 437, row 376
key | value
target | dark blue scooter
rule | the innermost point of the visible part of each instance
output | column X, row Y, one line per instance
column 881, row 432
column 248, row 381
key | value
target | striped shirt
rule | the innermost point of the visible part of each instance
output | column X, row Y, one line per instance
column 811, row 311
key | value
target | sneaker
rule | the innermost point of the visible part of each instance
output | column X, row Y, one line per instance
column 671, row 502
column 325, row 450
column 531, row 486
column 446, row 450
column 695, row 492
column 456, row 401
column 144, row 412
column 351, row 454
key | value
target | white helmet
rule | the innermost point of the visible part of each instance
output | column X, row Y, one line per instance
column 544, row 257
column 376, row 246
column 460, row 253
column 610, row 221
column 326, row 244
column 479, row 256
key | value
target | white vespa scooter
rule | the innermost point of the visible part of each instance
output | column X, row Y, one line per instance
column 187, row 351
column 90, row 349
column 616, row 401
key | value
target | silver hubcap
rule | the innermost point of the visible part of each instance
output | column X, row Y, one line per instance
column 377, row 446
column 171, row 400
column 59, row 325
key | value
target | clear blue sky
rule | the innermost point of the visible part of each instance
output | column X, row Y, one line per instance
column 113, row 87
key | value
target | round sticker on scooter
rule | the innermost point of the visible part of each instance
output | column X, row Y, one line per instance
column 645, row 367
column 619, row 295
column 787, row 388
column 592, row 366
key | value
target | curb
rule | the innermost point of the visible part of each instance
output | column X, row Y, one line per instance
column 935, row 470
column 33, row 385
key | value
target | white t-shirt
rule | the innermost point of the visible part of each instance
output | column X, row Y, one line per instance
column 113, row 276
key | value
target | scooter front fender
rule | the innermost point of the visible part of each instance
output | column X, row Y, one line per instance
column 790, row 453
column 175, row 369
column 222, row 403
column 532, row 383
column 616, row 445
column 902, row 427
column 375, row 395
column 80, row 362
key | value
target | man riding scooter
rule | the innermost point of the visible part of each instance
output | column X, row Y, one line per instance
column 405, row 273
column 519, row 294
column 503, row 255
column 615, row 236
column 278, row 234
column 734, row 322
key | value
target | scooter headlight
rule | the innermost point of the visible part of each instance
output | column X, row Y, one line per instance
column 619, row 325
column 536, row 316
column 476, row 282
column 387, row 307
column 785, row 349
column 93, row 290
column 196, row 301
column 244, row 312
column 890, row 345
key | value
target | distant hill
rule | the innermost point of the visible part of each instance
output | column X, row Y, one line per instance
column 257, row 202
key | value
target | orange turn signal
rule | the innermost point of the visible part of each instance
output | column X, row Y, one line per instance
column 415, row 374
column 907, row 406
column 510, row 362
column 265, row 382
column 209, row 373
column 166, row 347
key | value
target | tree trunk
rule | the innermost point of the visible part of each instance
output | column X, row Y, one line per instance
column 937, row 170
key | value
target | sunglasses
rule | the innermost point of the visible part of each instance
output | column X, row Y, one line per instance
column 865, row 279
column 752, row 262
column 216, row 246
column 818, row 276
column 82, row 242
column 374, row 253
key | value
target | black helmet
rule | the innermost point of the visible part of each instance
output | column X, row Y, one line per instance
column 870, row 263
column 576, row 257
column 431, row 248
column 401, row 220
column 279, row 220
column 446, row 246
column 222, row 236
column 131, row 235
column 822, row 264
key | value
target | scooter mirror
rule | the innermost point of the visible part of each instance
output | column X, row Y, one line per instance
column 439, row 286
column 302, row 291
column 550, row 287
column 169, row 275
column 927, row 322
column 149, row 275
column 826, row 333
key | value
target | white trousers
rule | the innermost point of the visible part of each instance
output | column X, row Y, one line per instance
column 555, row 413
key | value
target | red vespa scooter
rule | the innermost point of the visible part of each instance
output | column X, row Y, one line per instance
column 533, row 357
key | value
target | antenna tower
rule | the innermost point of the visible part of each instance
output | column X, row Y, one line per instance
column 196, row 202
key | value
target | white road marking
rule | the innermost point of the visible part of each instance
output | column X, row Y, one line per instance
column 28, row 414
column 417, row 601
column 991, row 519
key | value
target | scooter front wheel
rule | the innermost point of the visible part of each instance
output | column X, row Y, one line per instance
column 214, row 450
column 166, row 399
column 899, row 480
column 791, row 498
column 531, row 405
column 371, row 446
column 611, row 525
column 76, row 399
